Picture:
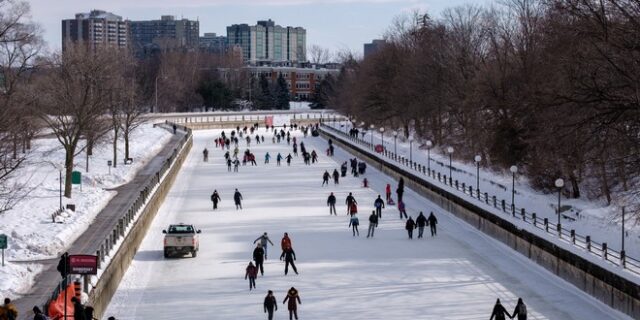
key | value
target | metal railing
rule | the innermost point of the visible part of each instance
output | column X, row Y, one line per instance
column 558, row 233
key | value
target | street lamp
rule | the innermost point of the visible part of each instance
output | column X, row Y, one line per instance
column 514, row 170
column 371, row 127
column 382, row 137
column 429, row 145
column 395, row 136
column 477, row 159
column 450, row 152
column 559, row 184
column 410, row 149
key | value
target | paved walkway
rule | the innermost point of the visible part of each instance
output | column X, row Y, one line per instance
column 89, row 242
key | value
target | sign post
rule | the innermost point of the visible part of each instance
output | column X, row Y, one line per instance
column 76, row 178
column 3, row 245
column 109, row 163
column 83, row 264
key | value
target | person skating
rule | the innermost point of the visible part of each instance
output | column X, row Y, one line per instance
column 289, row 157
column 266, row 158
column 314, row 156
column 258, row 257
column 8, row 310
column 278, row 159
column 520, row 310
column 400, row 189
column 236, row 164
column 350, row 201
column 325, row 178
column 421, row 221
column 373, row 223
column 270, row 305
column 285, row 242
column 432, row 223
column 215, row 198
column 331, row 202
column 343, row 169
column 205, row 155
column 229, row 164
column 293, row 297
column 38, row 314
column 237, row 198
column 295, row 149
column 388, row 191
column 353, row 223
column 252, row 274
column 499, row 312
column 402, row 209
column 336, row 176
column 379, row 205
column 289, row 256
column 264, row 240
column 409, row 226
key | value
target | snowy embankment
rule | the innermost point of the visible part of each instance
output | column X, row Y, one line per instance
column 32, row 234
column 592, row 218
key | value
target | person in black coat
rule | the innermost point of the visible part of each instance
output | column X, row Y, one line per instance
column 336, row 176
column 373, row 223
column 331, row 202
column 343, row 169
column 421, row 221
column 325, row 178
column 270, row 304
column 520, row 310
column 410, row 226
column 258, row 257
column 349, row 201
column 379, row 205
column 237, row 197
column 499, row 312
column 215, row 198
column 78, row 309
column 432, row 221
column 289, row 257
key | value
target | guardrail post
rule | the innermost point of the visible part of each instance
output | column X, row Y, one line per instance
column 533, row 217
column 604, row 250
column 546, row 224
column 471, row 191
column 457, row 185
column 98, row 255
column 588, row 240
column 623, row 259
column 438, row 176
column 495, row 205
column 504, row 206
column 559, row 227
column 486, row 197
column 523, row 214
column 424, row 170
column 121, row 223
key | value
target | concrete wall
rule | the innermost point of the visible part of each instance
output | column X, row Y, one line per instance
column 110, row 279
column 615, row 291
column 241, row 124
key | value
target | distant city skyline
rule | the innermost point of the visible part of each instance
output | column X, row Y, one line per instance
column 333, row 24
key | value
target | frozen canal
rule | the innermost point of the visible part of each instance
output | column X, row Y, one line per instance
column 456, row 275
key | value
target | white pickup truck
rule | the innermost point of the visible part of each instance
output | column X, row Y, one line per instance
column 181, row 239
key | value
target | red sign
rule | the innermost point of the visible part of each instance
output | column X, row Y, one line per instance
column 379, row 148
column 268, row 120
column 83, row 264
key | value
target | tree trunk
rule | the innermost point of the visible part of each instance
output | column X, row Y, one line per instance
column 575, row 186
column 605, row 182
column 115, row 148
column 68, row 163
column 126, row 144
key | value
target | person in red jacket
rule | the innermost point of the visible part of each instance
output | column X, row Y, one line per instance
column 293, row 297
column 252, row 274
column 285, row 243
column 388, row 191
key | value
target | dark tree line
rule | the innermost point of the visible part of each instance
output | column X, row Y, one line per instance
column 549, row 85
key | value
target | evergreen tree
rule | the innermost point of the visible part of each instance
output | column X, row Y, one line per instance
column 264, row 97
column 323, row 92
column 281, row 94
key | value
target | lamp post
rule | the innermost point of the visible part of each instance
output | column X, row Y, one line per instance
column 477, row 159
column 429, row 145
column 514, row 170
column 382, row 137
column 622, row 229
column 450, row 152
column 410, row 149
column 395, row 136
column 371, row 127
column 559, row 184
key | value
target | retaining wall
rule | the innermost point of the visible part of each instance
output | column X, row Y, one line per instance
column 108, row 283
column 615, row 291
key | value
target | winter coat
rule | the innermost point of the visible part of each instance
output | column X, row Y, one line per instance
column 292, row 296
column 263, row 240
column 258, row 254
column 410, row 224
column 353, row 208
column 350, row 199
column 78, row 311
column 288, row 255
column 336, row 174
column 285, row 243
column 421, row 221
column 432, row 219
column 499, row 312
column 354, row 221
column 373, row 219
column 8, row 309
column 520, row 311
column 270, row 303
column 326, row 176
column 379, row 203
column 388, row 188
column 237, row 197
column 215, row 197
column 401, row 206
column 331, row 199
column 252, row 271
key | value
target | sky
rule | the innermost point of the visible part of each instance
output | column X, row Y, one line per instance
column 333, row 24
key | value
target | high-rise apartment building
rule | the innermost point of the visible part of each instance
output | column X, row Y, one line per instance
column 164, row 34
column 97, row 28
column 211, row 42
column 268, row 42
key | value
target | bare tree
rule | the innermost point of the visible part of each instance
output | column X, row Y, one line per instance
column 318, row 54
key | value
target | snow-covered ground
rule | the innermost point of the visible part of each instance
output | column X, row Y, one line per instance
column 596, row 219
column 32, row 235
column 455, row 275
